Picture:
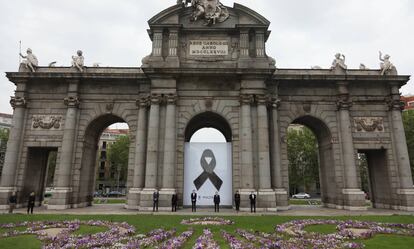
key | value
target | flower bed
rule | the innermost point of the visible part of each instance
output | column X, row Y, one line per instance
column 176, row 242
column 207, row 221
column 206, row 241
column 121, row 235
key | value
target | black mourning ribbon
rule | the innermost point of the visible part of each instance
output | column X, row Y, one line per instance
column 208, row 171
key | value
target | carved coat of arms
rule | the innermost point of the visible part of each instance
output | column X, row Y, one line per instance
column 212, row 11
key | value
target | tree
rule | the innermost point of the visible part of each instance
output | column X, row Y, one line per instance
column 4, row 135
column 303, row 160
column 118, row 157
column 408, row 119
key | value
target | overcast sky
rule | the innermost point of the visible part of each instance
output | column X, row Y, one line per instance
column 305, row 33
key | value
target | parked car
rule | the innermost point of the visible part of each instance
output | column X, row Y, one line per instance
column 301, row 196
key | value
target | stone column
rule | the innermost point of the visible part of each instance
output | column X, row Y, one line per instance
column 260, row 44
column 63, row 190
column 10, row 167
column 151, row 167
column 244, row 43
column 263, row 143
column 266, row 195
column 157, row 43
column 173, row 43
column 277, row 180
column 406, row 191
column 172, row 58
column 170, row 145
column 246, row 148
column 354, row 198
column 140, row 153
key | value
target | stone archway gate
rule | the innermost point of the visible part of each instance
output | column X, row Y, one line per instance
column 202, row 66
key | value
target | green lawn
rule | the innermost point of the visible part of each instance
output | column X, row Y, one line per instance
column 109, row 201
column 146, row 223
column 304, row 202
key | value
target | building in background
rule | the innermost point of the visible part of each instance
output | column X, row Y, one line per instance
column 5, row 123
column 107, row 175
column 408, row 102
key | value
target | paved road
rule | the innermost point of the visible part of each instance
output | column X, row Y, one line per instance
column 118, row 209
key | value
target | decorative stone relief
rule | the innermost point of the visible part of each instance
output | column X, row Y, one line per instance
column 369, row 124
column 212, row 11
column 46, row 122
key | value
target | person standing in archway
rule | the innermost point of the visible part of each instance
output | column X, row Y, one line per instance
column 174, row 200
column 237, row 200
column 12, row 202
column 217, row 202
column 31, row 203
column 155, row 197
column 194, row 201
column 252, row 198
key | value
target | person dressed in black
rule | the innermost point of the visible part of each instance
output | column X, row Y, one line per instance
column 12, row 202
column 155, row 197
column 174, row 201
column 252, row 198
column 237, row 200
column 31, row 203
column 217, row 202
column 193, row 201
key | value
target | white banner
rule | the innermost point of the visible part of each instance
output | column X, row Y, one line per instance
column 207, row 169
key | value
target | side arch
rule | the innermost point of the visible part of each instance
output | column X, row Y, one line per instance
column 88, row 146
column 327, row 163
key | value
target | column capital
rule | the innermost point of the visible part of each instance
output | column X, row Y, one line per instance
column 262, row 99
column 155, row 99
column 395, row 104
column 275, row 103
column 71, row 101
column 17, row 102
column 142, row 102
column 171, row 99
column 246, row 99
column 343, row 102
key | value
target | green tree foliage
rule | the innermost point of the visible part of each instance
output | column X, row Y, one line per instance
column 408, row 119
column 51, row 167
column 118, row 156
column 303, row 160
column 363, row 170
column 4, row 135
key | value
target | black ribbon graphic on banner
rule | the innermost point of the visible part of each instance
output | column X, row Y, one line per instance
column 208, row 171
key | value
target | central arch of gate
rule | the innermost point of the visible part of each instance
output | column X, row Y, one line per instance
column 209, row 71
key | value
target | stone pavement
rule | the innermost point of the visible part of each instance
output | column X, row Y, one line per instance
column 119, row 209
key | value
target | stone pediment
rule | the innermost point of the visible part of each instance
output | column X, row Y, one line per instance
column 179, row 15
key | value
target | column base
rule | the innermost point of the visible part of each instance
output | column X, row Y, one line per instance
column 244, row 199
column 354, row 200
column 406, row 198
column 165, row 198
column 266, row 200
column 134, row 197
column 146, row 199
column 60, row 199
column 282, row 199
column 5, row 193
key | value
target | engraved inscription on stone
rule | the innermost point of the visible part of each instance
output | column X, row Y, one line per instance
column 209, row 47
